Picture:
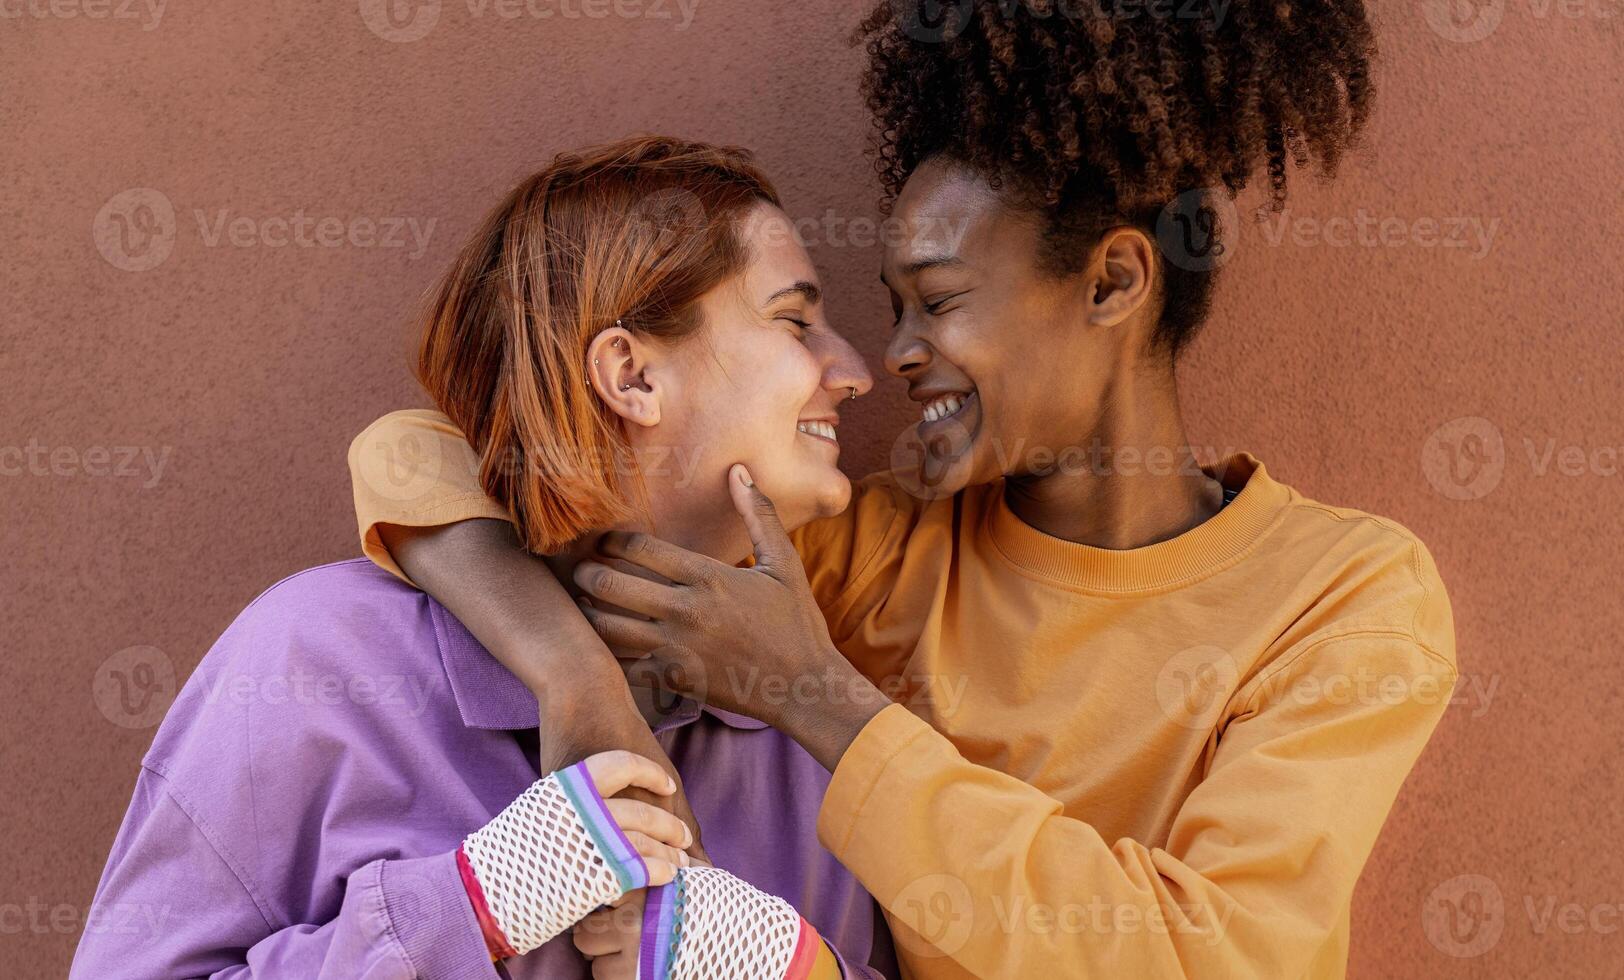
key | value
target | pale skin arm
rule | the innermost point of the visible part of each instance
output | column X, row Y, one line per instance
column 513, row 604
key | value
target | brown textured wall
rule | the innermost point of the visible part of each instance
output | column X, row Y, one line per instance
column 1468, row 387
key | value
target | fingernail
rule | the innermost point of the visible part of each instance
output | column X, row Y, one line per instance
column 683, row 859
column 744, row 476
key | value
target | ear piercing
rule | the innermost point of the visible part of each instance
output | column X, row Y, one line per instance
column 854, row 394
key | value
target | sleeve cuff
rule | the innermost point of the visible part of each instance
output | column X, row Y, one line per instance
column 430, row 915
column 857, row 776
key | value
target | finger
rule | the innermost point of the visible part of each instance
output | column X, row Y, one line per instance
column 767, row 536
column 654, row 850
column 659, row 556
column 616, row 966
column 622, row 589
column 659, row 824
column 617, row 769
column 598, row 934
column 624, row 632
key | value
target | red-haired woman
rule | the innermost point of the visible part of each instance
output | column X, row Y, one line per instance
column 348, row 786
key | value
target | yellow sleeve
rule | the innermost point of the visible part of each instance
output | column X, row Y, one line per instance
column 981, row 874
column 414, row 469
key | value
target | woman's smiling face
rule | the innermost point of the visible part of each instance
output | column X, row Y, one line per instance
column 761, row 383
column 1006, row 363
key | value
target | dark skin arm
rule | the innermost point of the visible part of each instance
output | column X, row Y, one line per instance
column 750, row 640
column 512, row 603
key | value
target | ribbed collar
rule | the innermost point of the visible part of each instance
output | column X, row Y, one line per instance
column 1259, row 503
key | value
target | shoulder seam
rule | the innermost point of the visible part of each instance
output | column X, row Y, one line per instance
column 1411, row 542
column 244, row 879
column 1261, row 682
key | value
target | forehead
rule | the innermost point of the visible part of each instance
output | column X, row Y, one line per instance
column 944, row 210
column 777, row 257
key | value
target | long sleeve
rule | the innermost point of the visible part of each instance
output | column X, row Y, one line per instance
column 171, row 904
column 1256, row 871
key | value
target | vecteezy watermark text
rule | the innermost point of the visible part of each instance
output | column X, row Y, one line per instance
column 145, row 463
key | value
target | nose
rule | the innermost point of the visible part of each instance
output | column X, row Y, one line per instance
column 907, row 354
column 843, row 368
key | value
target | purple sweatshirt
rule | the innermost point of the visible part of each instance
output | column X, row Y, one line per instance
column 299, row 810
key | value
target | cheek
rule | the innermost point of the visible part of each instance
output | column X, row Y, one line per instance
column 778, row 380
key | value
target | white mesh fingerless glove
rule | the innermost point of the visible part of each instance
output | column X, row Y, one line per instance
column 551, row 857
column 709, row 925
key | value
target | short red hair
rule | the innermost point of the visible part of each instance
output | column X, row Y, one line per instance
column 634, row 232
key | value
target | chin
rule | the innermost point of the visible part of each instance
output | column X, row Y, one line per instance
column 836, row 498
column 824, row 495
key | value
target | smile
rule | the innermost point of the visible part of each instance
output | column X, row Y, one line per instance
column 818, row 429
column 946, row 406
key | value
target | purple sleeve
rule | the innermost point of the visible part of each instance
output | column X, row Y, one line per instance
column 850, row 970
column 171, row 905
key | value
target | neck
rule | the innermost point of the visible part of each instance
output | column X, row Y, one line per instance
column 718, row 536
column 1138, row 483
column 651, row 704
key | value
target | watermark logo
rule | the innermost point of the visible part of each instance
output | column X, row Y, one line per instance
column 1465, row 458
column 1195, row 231
column 660, row 222
column 135, row 686
column 135, row 229
column 401, row 21
column 1465, row 916
column 1463, row 21
column 403, row 466
column 1195, row 684
column 938, row 912
column 933, row 21
column 931, row 469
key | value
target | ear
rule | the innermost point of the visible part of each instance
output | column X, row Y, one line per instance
column 618, row 370
column 1123, row 275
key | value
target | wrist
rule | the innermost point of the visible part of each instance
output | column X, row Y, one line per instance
column 826, row 723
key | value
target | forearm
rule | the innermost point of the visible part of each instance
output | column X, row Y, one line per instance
column 513, row 604
column 508, row 598
column 842, row 704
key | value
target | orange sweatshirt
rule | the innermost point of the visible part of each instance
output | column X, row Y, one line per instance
column 1169, row 761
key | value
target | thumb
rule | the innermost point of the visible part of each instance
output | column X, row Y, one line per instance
column 767, row 536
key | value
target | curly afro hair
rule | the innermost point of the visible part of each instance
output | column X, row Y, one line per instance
column 1099, row 113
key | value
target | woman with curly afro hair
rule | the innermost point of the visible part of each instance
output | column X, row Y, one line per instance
column 1091, row 707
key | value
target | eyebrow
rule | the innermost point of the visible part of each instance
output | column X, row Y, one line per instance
column 917, row 266
column 805, row 288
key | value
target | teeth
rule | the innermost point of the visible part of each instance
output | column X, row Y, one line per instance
column 942, row 406
column 816, row 428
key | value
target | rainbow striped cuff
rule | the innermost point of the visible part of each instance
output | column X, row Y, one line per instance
column 658, row 947
column 664, row 911
column 618, row 852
